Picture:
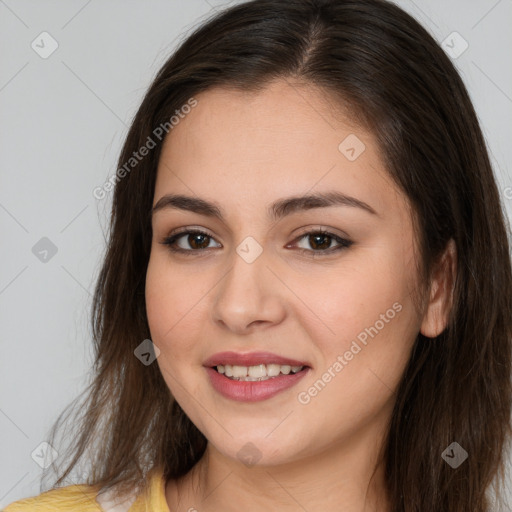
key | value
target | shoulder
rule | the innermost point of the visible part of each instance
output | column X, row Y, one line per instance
column 89, row 498
column 63, row 499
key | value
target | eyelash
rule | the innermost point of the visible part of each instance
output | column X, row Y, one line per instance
column 343, row 243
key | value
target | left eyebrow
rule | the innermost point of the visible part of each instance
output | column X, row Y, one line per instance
column 276, row 210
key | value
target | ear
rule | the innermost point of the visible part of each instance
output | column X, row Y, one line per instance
column 440, row 301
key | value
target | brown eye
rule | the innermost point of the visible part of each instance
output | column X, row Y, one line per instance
column 194, row 241
column 197, row 241
column 320, row 241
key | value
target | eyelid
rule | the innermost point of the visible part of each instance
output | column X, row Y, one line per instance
column 319, row 228
column 189, row 229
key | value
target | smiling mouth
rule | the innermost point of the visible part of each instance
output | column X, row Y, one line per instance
column 258, row 372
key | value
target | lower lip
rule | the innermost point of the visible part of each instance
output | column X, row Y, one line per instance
column 253, row 391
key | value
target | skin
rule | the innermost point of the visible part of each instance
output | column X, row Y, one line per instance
column 244, row 151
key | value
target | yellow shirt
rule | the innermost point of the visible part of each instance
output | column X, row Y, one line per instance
column 85, row 498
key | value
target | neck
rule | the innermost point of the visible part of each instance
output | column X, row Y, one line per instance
column 348, row 476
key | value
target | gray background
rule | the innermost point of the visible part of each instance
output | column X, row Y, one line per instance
column 62, row 122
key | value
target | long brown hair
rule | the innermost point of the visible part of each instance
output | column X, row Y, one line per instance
column 375, row 58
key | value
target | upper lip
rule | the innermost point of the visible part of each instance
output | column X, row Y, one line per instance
column 250, row 359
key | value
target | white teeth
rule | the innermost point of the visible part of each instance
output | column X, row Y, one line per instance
column 286, row 369
column 257, row 372
column 273, row 370
column 239, row 371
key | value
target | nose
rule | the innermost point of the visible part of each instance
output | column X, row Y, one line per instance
column 249, row 295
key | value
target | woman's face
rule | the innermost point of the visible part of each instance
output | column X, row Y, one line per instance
column 264, row 280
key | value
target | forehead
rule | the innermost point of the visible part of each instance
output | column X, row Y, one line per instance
column 285, row 139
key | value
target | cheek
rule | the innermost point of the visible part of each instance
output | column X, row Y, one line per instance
column 173, row 310
column 369, row 324
column 173, row 306
column 350, row 300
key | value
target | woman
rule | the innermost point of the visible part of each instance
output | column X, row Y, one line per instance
column 305, row 302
